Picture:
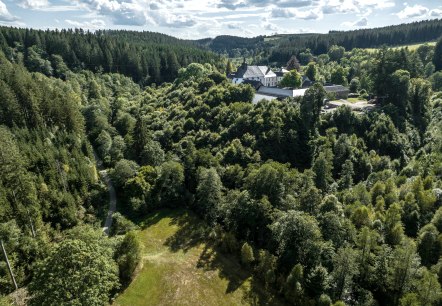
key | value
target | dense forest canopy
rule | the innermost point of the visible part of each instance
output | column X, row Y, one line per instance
column 145, row 56
column 150, row 57
column 340, row 208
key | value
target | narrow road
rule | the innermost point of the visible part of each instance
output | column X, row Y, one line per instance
column 112, row 194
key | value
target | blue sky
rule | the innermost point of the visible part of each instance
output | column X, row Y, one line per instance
column 191, row 19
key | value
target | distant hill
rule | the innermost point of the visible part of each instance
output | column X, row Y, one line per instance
column 279, row 48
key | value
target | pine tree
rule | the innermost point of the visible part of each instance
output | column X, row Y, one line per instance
column 437, row 57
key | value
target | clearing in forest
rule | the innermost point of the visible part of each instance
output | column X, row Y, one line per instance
column 180, row 268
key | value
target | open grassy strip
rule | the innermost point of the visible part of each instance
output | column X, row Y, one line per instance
column 413, row 47
column 181, row 268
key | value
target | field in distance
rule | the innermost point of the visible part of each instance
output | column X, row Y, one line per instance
column 410, row 47
column 180, row 267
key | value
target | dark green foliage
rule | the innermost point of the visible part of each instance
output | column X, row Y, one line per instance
column 336, row 53
column 321, row 206
column 293, row 64
column 128, row 256
column 298, row 237
column 209, row 193
column 146, row 57
column 355, row 85
column 311, row 71
column 437, row 57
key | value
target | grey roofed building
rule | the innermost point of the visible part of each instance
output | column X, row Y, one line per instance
column 270, row 93
column 281, row 72
column 306, row 82
column 281, row 92
column 255, row 73
column 255, row 84
column 340, row 91
column 249, row 72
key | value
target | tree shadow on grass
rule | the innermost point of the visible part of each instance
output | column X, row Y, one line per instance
column 190, row 234
column 193, row 233
column 214, row 259
column 157, row 216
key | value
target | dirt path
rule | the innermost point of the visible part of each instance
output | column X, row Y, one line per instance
column 112, row 194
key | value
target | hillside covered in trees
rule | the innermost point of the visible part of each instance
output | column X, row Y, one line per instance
column 338, row 208
column 279, row 48
column 146, row 57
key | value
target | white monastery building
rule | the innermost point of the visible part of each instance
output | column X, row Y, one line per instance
column 261, row 74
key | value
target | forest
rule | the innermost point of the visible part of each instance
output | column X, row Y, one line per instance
column 146, row 57
column 279, row 48
column 340, row 208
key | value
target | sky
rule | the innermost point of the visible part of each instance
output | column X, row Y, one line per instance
column 194, row 19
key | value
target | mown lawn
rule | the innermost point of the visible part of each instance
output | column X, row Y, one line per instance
column 180, row 268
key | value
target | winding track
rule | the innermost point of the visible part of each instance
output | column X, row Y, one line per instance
column 112, row 194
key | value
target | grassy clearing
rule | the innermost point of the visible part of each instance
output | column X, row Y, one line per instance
column 180, row 268
column 410, row 47
column 271, row 38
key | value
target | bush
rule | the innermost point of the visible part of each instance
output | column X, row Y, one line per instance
column 247, row 257
column 355, row 84
column 121, row 225
column 229, row 243
column 324, row 300
column 129, row 255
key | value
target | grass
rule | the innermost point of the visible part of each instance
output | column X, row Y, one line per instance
column 413, row 47
column 354, row 100
column 271, row 38
column 180, row 267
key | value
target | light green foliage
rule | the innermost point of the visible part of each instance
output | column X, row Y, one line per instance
column 339, row 76
column 121, row 225
column 292, row 79
column 75, row 273
column 124, row 170
column 247, row 257
column 152, row 154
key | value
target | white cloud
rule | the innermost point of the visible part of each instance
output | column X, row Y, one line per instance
column 34, row 4
column 363, row 22
column 296, row 14
column 91, row 25
column 271, row 27
column 436, row 13
column 354, row 6
column 414, row 11
column 236, row 4
column 282, row 13
column 235, row 25
column 143, row 12
column 5, row 15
